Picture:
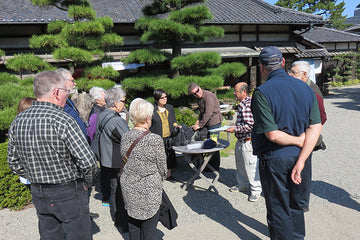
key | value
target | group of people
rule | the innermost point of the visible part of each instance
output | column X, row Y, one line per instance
column 49, row 145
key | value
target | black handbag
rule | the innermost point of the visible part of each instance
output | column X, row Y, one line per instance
column 168, row 214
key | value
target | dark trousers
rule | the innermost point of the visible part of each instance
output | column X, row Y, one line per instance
column 62, row 209
column 306, row 176
column 215, row 159
column 143, row 229
column 285, row 215
column 108, row 187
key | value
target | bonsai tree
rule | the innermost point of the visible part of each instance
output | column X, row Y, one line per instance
column 183, row 24
column 78, row 41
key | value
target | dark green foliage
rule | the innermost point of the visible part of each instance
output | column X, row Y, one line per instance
column 231, row 72
column 2, row 53
column 61, row 4
column 76, row 54
column 7, row 115
column 13, row 194
column 56, row 26
column 329, row 9
column 10, row 94
column 8, row 78
column 80, row 41
column 185, row 116
column 194, row 15
column 183, row 24
column 27, row 62
column 27, row 82
column 147, row 56
column 12, row 89
column 347, row 66
column 103, row 73
column 47, row 41
column 196, row 63
column 225, row 93
column 81, row 12
column 84, row 84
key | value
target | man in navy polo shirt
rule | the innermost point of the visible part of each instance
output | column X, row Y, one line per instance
column 286, row 127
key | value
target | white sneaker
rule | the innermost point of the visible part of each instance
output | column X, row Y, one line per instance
column 254, row 197
column 236, row 188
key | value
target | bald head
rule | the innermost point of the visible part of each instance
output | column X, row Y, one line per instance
column 241, row 91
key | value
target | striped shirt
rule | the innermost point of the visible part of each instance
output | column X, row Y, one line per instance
column 47, row 146
column 244, row 120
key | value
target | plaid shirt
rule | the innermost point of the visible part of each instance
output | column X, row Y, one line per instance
column 47, row 146
column 244, row 120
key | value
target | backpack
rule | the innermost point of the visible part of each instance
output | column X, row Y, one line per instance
column 95, row 144
column 183, row 136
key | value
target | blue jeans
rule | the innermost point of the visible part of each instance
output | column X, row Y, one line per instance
column 62, row 209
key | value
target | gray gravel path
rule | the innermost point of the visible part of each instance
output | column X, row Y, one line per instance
column 335, row 200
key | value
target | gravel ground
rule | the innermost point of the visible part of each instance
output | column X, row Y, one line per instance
column 203, row 214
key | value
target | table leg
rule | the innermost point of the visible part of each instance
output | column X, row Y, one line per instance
column 198, row 171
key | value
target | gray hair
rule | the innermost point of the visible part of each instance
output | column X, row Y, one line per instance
column 114, row 94
column 140, row 110
column 192, row 86
column 270, row 68
column 96, row 93
column 64, row 73
column 45, row 82
column 303, row 66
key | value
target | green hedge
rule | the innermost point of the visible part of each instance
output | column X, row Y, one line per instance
column 13, row 194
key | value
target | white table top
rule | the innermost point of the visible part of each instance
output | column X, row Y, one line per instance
column 221, row 145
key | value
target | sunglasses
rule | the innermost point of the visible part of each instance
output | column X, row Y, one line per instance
column 164, row 97
column 196, row 91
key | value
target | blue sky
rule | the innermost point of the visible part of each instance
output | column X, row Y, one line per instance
column 350, row 6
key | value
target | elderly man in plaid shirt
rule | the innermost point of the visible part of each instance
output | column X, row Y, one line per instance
column 247, row 165
column 47, row 146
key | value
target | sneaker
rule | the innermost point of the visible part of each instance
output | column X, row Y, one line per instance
column 236, row 188
column 306, row 209
column 106, row 203
column 94, row 215
column 254, row 197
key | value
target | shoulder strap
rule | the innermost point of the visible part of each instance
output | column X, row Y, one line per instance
column 101, row 125
column 125, row 158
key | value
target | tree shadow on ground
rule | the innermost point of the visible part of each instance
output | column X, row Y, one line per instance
column 335, row 195
column 351, row 93
column 220, row 210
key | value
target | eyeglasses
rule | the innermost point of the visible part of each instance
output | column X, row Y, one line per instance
column 164, row 97
column 293, row 72
column 196, row 91
column 66, row 90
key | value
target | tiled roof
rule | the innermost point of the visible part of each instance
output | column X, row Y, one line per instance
column 327, row 35
column 127, row 11
column 312, row 53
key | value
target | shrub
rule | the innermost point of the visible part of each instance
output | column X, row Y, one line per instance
column 7, row 115
column 8, row 78
column 185, row 116
column 10, row 94
column 13, row 194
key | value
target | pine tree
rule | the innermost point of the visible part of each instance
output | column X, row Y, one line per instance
column 78, row 41
column 183, row 23
column 327, row 8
